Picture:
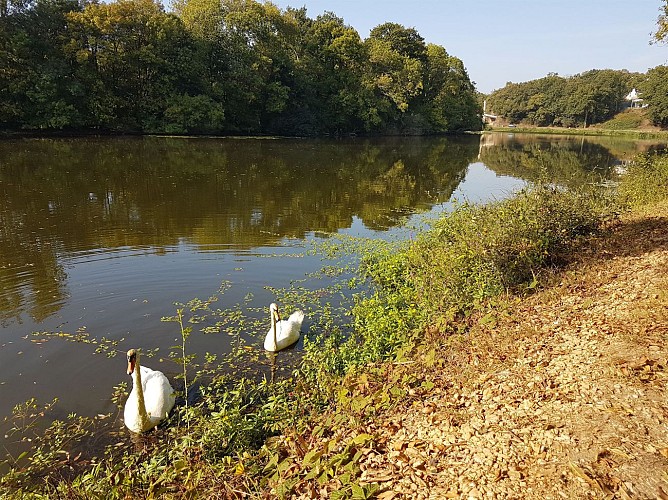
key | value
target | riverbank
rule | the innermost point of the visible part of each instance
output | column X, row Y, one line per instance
column 558, row 395
column 591, row 131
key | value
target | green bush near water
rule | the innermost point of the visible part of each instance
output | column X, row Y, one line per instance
column 469, row 256
column 472, row 255
column 646, row 181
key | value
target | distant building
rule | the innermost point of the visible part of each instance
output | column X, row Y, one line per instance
column 487, row 117
column 633, row 100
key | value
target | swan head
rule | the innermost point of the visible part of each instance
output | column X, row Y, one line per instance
column 132, row 360
column 273, row 308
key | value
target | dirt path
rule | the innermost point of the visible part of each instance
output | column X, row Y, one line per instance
column 559, row 395
column 564, row 395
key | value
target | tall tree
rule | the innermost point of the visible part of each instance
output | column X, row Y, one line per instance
column 450, row 99
column 139, row 55
column 405, row 41
column 661, row 34
column 397, row 58
column 38, row 84
column 328, row 96
column 268, row 45
column 655, row 93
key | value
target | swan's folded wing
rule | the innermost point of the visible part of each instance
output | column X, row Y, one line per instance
column 159, row 396
column 296, row 319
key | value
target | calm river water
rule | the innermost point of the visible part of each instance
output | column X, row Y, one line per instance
column 103, row 235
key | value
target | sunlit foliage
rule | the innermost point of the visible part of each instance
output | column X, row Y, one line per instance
column 228, row 67
column 581, row 100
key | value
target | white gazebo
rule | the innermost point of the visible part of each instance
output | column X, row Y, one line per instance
column 634, row 100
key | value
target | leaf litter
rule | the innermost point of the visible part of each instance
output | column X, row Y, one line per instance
column 561, row 394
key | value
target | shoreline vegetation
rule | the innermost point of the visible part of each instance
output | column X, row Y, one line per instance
column 638, row 134
column 600, row 98
column 469, row 362
column 591, row 131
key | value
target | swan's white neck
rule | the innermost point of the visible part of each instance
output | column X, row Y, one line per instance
column 141, row 405
column 273, row 327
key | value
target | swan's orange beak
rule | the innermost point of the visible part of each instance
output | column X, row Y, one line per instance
column 131, row 364
column 277, row 315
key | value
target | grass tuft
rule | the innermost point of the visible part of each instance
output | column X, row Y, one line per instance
column 646, row 181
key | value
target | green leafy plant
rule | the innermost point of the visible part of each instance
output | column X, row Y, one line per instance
column 196, row 310
column 646, row 181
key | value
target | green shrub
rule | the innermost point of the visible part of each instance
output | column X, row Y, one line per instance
column 629, row 119
column 480, row 251
column 470, row 255
column 646, row 180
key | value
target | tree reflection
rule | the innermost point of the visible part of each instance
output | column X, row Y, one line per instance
column 63, row 197
column 560, row 159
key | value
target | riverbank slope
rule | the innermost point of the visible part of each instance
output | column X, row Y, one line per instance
column 558, row 395
column 649, row 133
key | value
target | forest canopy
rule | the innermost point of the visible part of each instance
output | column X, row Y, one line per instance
column 221, row 67
column 580, row 100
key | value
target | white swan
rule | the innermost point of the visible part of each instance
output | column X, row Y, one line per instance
column 283, row 332
column 151, row 398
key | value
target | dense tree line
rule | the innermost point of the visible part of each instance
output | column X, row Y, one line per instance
column 581, row 100
column 221, row 66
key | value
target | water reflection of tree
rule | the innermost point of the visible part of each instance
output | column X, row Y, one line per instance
column 32, row 278
column 566, row 162
column 66, row 196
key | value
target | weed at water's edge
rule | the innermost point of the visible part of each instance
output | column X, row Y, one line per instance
column 646, row 180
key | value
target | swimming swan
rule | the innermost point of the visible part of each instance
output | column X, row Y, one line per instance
column 151, row 398
column 283, row 332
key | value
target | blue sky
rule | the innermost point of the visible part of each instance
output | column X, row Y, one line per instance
column 517, row 40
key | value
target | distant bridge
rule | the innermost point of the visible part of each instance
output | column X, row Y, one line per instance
column 486, row 117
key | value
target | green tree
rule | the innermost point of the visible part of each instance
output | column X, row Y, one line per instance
column 328, row 97
column 596, row 95
column 397, row 57
column 266, row 40
column 227, row 58
column 661, row 34
column 198, row 114
column 450, row 101
column 139, row 56
column 405, row 41
column 655, row 93
column 38, row 85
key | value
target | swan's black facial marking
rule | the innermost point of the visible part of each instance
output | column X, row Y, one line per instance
column 132, row 361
